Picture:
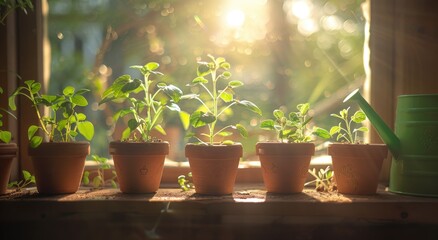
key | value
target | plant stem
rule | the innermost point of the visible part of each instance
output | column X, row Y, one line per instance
column 215, row 102
column 351, row 139
column 148, row 106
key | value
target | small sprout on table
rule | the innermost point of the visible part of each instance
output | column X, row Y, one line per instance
column 324, row 180
column 186, row 183
column 99, row 179
column 28, row 179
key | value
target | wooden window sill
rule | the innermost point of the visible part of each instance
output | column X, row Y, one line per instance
column 249, row 212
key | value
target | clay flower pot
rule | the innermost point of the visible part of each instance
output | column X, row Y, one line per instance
column 59, row 166
column 8, row 152
column 214, row 167
column 357, row 166
column 139, row 166
column 285, row 165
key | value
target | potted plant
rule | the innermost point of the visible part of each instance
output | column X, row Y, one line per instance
column 356, row 166
column 286, row 161
column 214, row 164
column 58, row 160
column 8, row 152
column 138, row 156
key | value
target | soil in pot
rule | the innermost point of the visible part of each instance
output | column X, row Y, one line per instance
column 59, row 166
column 214, row 167
column 139, row 166
column 285, row 165
column 357, row 166
column 8, row 151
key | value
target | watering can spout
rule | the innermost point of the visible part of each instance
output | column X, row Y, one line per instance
column 385, row 133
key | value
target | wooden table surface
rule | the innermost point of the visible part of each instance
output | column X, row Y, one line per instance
column 249, row 209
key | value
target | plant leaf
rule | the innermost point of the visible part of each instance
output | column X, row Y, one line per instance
column 126, row 133
column 5, row 136
column 225, row 65
column 203, row 69
column 267, row 124
column 200, row 118
column 26, row 175
column 200, row 80
column 322, row 133
column 334, row 130
column 226, row 97
column 242, row 130
column 303, row 108
column 86, row 129
column 79, row 100
column 173, row 107
column 122, row 113
column 31, row 131
column 133, row 124
column 160, row 129
column 173, row 92
column 361, row 129
column 185, row 119
column 251, row 106
column 151, row 66
column 97, row 181
column 85, row 179
column 131, row 86
column 225, row 134
column 358, row 117
column 35, row 87
column 235, row 84
column 278, row 114
column 35, row 141
column 68, row 91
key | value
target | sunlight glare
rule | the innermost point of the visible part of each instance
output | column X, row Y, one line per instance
column 301, row 9
column 235, row 18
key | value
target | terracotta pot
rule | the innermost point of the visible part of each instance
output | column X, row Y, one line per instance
column 8, row 151
column 59, row 166
column 357, row 166
column 139, row 166
column 214, row 167
column 284, row 165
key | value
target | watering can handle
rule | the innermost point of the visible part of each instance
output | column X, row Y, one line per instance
column 383, row 130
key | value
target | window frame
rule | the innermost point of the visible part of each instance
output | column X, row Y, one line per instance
column 25, row 40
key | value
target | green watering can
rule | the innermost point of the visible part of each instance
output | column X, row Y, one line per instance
column 414, row 146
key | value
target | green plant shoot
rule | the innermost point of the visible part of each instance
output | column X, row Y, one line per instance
column 324, row 179
column 99, row 179
column 291, row 127
column 185, row 182
column 344, row 131
column 145, row 105
column 27, row 179
column 63, row 123
column 216, row 101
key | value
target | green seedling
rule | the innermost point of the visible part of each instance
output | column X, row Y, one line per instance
column 292, row 127
column 20, row 185
column 99, row 179
column 185, row 182
column 5, row 136
column 344, row 131
column 146, row 102
column 215, row 102
column 63, row 123
column 324, row 180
